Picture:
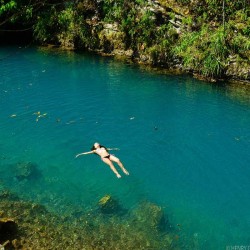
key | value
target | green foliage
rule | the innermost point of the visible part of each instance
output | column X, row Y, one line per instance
column 64, row 25
column 84, row 36
column 141, row 2
column 134, row 19
column 184, row 1
column 204, row 51
column 41, row 30
column 240, row 44
column 66, row 19
column 246, row 30
column 86, row 8
column 188, row 20
column 203, row 47
column 113, row 10
column 242, row 22
column 239, row 32
column 6, row 7
column 144, row 28
column 44, row 28
column 29, row 12
column 214, row 8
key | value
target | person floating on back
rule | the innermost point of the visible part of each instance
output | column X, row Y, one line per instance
column 106, row 157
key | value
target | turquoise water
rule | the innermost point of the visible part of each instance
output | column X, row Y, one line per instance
column 185, row 143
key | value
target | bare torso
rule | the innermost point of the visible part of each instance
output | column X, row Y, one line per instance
column 102, row 152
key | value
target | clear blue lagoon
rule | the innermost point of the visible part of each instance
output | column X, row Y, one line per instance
column 185, row 143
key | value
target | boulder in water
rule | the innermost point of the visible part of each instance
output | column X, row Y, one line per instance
column 108, row 205
column 26, row 171
column 151, row 216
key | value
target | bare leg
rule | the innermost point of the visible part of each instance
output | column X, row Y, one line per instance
column 109, row 162
column 115, row 159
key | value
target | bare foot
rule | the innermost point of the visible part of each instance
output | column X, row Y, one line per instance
column 125, row 171
column 118, row 176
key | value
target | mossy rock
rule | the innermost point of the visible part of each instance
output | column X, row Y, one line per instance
column 111, row 38
column 26, row 171
column 109, row 205
column 6, row 194
column 38, row 229
column 151, row 216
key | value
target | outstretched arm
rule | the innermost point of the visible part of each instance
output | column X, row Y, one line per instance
column 113, row 149
column 85, row 153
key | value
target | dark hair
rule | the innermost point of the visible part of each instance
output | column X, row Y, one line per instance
column 101, row 146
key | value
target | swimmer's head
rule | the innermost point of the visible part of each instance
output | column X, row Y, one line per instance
column 95, row 146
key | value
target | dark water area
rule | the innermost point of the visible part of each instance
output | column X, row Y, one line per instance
column 185, row 143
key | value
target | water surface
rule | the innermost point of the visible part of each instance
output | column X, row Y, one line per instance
column 185, row 143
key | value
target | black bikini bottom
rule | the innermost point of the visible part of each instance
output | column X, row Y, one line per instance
column 108, row 156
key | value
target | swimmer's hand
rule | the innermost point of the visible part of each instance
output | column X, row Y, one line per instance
column 86, row 153
column 113, row 149
column 79, row 155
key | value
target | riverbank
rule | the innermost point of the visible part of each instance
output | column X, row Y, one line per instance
column 205, row 39
column 235, row 80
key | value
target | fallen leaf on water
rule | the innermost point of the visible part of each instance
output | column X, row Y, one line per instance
column 70, row 122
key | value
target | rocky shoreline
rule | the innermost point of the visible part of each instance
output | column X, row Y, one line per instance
column 181, row 36
column 235, row 74
column 109, row 39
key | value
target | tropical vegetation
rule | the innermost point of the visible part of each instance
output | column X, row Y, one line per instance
column 208, row 37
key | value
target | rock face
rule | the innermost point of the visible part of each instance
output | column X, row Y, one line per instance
column 111, row 39
column 134, row 37
column 238, row 70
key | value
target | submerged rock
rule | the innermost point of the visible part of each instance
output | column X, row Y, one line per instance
column 108, row 205
column 151, row 216
column 26, row 171
column 6, row 194
column 43, row 230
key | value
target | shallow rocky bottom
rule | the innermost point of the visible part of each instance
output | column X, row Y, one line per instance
column 25, row 225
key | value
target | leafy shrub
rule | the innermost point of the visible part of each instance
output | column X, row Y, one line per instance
column 204, row 51
column 44, row 27
column 6, row 7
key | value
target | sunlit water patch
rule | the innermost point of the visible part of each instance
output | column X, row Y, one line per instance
column 185, row 143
